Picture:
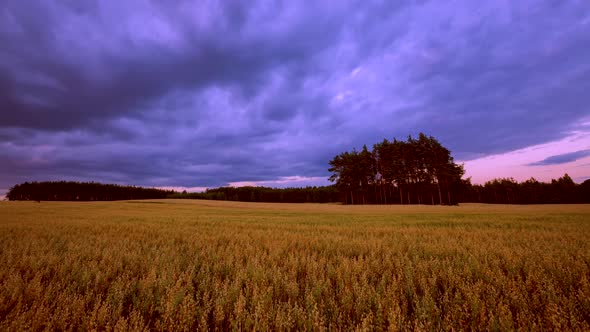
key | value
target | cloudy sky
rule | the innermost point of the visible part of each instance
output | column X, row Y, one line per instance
column 208, row 93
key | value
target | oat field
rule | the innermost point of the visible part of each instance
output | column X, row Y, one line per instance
column 206, row 265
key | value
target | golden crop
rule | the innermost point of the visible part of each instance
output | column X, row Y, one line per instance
column 198, row 265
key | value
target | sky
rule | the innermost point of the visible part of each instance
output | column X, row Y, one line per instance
column 197, row 94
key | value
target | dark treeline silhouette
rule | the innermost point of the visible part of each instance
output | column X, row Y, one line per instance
column 322, row 194
column 416, row 171
column 81, row 191
column 509, row 191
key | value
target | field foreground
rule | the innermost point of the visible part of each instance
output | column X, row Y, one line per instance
column 196, row 265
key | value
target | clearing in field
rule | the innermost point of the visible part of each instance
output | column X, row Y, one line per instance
column 187, row 265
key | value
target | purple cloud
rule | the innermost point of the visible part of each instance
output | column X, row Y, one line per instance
column 199, row 94
column 562, row 158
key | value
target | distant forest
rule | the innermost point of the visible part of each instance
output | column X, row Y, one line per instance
column 324, row 194
column 415, row 171
column 92, row 191
column 509, row 191
column 81, row 191
column 498, row 191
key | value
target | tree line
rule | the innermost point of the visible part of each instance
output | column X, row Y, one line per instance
column 509, row 191
column 416, row 171
column 322, row 194
column 93, row 191
column 497, row 191
column 81, row 191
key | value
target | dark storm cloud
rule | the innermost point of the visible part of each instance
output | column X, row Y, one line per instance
column 44, row 88
column 190, row 93
column 562, row 158
column 511, row 79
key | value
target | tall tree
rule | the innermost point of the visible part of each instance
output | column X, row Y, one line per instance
column 410, row 170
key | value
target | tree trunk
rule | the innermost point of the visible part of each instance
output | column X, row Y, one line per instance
column 431, row 197
column 439, row 195
column 376, row 199
column 449, row 196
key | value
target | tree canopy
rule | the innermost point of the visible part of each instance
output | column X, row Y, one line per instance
column 415, row 171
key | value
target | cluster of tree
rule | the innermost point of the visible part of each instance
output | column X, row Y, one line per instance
column 509, row 191
column 263, row 194
column 81, row 191
column 416, row 171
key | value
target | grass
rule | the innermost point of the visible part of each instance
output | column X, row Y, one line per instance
column 197, row 265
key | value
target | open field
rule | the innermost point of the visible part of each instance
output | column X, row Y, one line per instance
column 187, row 265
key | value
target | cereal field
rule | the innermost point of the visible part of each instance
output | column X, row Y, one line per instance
column 199, row 265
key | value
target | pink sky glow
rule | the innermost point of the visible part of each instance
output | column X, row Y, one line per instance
column 516, row 164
